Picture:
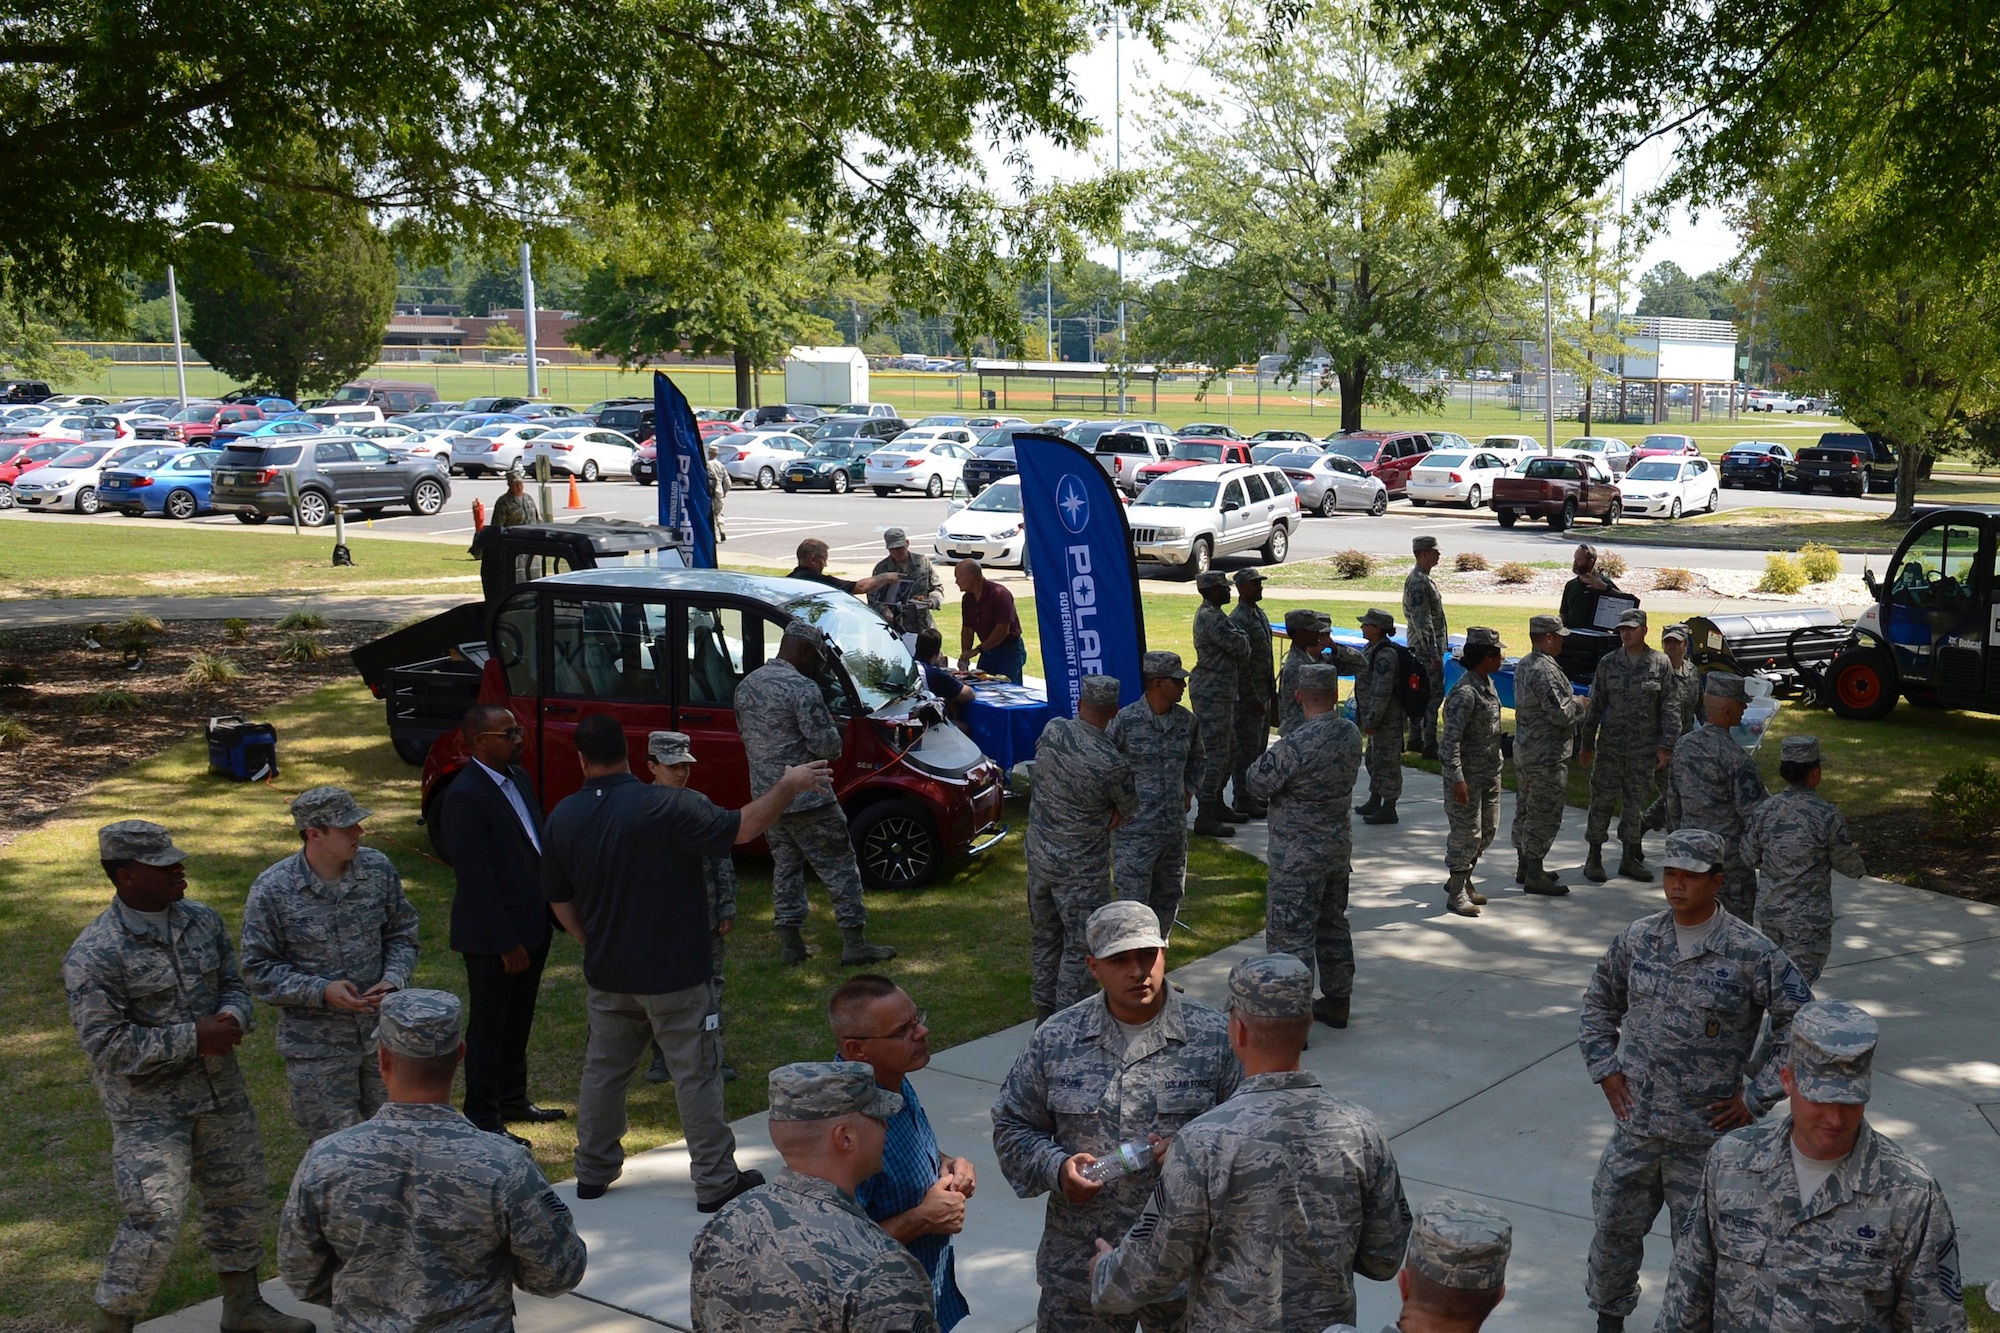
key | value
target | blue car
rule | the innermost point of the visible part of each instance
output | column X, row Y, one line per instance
column 174, row 482
column 296, row 424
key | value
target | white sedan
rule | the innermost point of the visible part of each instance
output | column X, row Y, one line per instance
column 495, row 448
column 759, row 458
column 929, row 459
column 585, row 452
column 1612, row 454
column 1457, row 477
column 69, row 481
column 992, row 529
column 1670, row 487
column 1327, row 483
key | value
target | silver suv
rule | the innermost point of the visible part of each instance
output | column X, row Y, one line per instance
column 328, row 469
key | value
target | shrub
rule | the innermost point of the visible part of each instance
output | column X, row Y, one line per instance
column 1515, row 572
column 140, row 624
column 1672, row 579
column 13, row 731
column 1611, row 565
column 1470, row 562
column 1820, row 562
column 236, row 630
column 210, row 669
column 1965, row 804
column 1782, row 574
column 302, row 620
column 113, row 700
column 302, row 648
column 1354, row 564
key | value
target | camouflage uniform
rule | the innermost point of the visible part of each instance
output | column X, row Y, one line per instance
column 1717, row 787
column 1798, row 840
column 1079, row 1086
column 1308, row 779
column 1150, row 851
column 923, row 594
column 301, row 933
column 1080, row 779
column 1469, row 752
column 1688, row 1026
column 1377, row 709
column 1255, row 697
column 1685, row 689
column 178, row 1118
column 513, row 510
column 1545, row 714
column 718, row 495
column 1220, row 652
column 1290, row 714
column 1632, row 713
column 784, row 722
column 1428, row 637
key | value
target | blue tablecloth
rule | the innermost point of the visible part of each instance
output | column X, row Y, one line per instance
column 1005, row 720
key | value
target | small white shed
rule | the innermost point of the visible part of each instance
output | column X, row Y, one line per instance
column 826, row 376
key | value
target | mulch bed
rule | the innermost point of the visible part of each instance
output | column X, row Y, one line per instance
column 73, row 746
column 1897, row 845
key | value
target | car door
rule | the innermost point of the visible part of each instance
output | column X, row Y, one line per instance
column 614, row 452
column 1256, row 503
column 604, row 656
column 339, row 471
column 383, row 477
column 1232, row 520
column 719, row 643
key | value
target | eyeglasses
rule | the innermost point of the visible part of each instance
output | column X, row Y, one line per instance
column 511, row 733
column 903, row 1033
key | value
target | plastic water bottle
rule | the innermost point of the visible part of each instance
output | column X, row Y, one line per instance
column 1127, row 1159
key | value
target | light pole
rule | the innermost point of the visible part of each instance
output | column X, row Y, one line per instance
column 174, row 303
column 1117, row 164
column 528, row 300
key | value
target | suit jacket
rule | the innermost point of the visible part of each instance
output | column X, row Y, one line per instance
column 499, row 903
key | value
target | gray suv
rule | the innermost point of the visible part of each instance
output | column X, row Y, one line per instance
column 330, row 469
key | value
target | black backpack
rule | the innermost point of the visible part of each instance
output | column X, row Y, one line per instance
column 1414, row 688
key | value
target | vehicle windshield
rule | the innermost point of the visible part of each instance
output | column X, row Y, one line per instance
column 1590, row 444
column 1507, row 442
column 1199, row 429
column 620, row 417
column 1298, row 462
column 840, row 430
column 879, row 665
column 493, row 432
column 998, row 438
column 1197, row 453
column 146, row 462
column 81, row 457
column 1177, row 493
column 1444, row 460
column 195, row 413
column 1086, row 433
column 833, row 447
column 1264, row 453
column 998, row 500
column 281, row 456
column 1654, row 469
column 1673, row 442
column 1361, row 451
column 351, row 394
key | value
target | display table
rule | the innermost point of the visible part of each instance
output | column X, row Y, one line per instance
column 1005, row 720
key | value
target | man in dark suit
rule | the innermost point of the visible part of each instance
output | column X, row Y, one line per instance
column 499, row 922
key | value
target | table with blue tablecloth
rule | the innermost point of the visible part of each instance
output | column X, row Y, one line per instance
column 1005, row 720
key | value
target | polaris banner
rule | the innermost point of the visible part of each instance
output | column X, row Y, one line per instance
column 1086, row 581
column 683, row 466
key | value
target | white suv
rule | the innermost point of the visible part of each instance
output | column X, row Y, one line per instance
column 1188, row 518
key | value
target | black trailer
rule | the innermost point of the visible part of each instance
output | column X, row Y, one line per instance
column 1789, row 647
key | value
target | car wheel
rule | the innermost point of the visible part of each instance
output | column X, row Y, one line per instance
column 6, row 496
column 1418, row 504
column 1508, row 518
column 473, row 473
column 788, row 488
column 179, row 504
column 1864, row 684
column 1198, row 557
column 314, row 509
column 1329, row 504
column 426, row 497
column 411, row 752
column 1565, row 518
column 1278, row 546
column 254, row 520
column 1379, row 505
column 935, row 487
column 841, row 483
column 1613, row 514
column 372, row 511
column 590, row 472
column 882, row 491
column 1714, row 502
column 86, row 500
column 766, row 478
column 897, row 846
column 1473, row 497
column 1674, row 509
column 643, row 481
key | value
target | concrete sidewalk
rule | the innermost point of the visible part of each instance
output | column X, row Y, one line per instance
column 391, row 607
column 1463, row 1043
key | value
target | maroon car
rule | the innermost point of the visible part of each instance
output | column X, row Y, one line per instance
column 199, row 423
column 1389, row 454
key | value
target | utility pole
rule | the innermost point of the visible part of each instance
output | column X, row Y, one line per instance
column 1117, row 163
column 1548, row 361
column 174, row 304
column 1049, row 309
column 528, row 317
column 1589, row 333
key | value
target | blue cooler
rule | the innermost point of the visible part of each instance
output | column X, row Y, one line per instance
column 244, row 750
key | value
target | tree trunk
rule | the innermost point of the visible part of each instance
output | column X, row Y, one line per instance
column 1909, row 461
column 1353, row 381
column 745, row 379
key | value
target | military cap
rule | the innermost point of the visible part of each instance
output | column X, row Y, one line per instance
column 1273, row 985
column 1631, row 617
column 895, row 537
column 327, row 807
column 822, row 1090
column 1547, row 625
column 419, row 1023
column 1122, row 925
column 1479, row 634
column 1694, row 849
column 1301, row 621
column 1375, row 615
column 1250, row 575
column 137, row 840
column 1323, row 620
column 1832, row 1052
column 669, row 747
column 1210, row 579
column 1419, row 544
column 1319, row 676
column 1099, row 691
column 1725, row 685
column 1160, row 663
column 1800, row 750
column 1675, row 631
column 1461, row 1243
column 805, row 630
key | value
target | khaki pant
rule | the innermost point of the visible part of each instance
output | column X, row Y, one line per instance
column 620, row 1028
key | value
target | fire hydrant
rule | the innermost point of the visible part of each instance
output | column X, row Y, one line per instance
column 478, row 515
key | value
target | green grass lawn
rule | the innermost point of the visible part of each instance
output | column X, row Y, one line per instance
column 964, row 942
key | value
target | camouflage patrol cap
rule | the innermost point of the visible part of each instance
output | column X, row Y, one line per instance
column 1832, row 1052
column 1800, row 750
column 419, row 1023
column 1210, row 579
column 327, row 807
column 1250, row 575
column 1725, row 685
column 1675, row 631
column 669, row 747
column 1631, row 617
column 1479, row 634
column 1273, row 985
column 1122, row 925
column 1319, row 676
column 1694, row 849
column 1301, row 621
column 1461, row 1243
column 1099, row 691
column 805, row 631
column 1375, row 615
column 1547, row 625
column 819, row 1090
column 137, row 840
column 1161, row 663
column 895, row 537
column 1421, row 544
column 1324, row 619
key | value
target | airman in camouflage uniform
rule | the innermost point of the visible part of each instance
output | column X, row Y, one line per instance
column 1308, row 778
column 1716, row 785
column 1307, row 631
column 718, row 492
column 1082, row 1086
column 1083, row 788
column 1665, row 811
column 1469, row 755
column 671, row 757
column 515, row 507
column 1255, row 700
column 1427, row 634
column 159, row 1009
column 801, row 1255
column 1270, row 1203
column 1869, row 1247
column 1546, row 710
column 1380, row 716
column 1687, row 998
column 1456, row 1270
column 1633, row 714
column 417, row 1218
column 1159, row 739
column 784, row 721
column 1220, row 652
column 922, row 593
column 1796, row 840
column 325, row 952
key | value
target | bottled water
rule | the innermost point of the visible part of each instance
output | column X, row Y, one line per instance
column 1127, row 1159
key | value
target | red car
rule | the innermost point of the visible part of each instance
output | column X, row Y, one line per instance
column 199, row 423
column 29, row 456
column 1666, row 446
column 1193, row 451
column 1389, row 454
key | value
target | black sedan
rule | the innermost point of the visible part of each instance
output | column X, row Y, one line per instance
column 1763, row 464
column 988, row 466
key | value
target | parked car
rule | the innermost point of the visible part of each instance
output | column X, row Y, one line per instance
column 1282, row 437
column 22, row 456
column 838, row 465
column 430, row 419
column 1087, row 434
column 1517, row 446
column 75, row 400
column 760, row 457
column 989, row 464
column 174, row 482
column 198, row 423
column 581, row 451
column 1326, row 483
column 1666, row 446
column 328, row 470
column 990, row 528
column 497, row 403
column 1389, row 454
column 1208, row 430
column 521, row 359
column 1668, row 487
column 1121, row 453
column 986, row 423
column 70, row 480
column 1614, row 453
column 866, row 410
column 634, row 421
column 298, row 424
column 1838, row 471
column 1878, row 458
column 552, row 414
column 1189, row 453
column 24, row 391
column 1560, row 489
column 494, row 448
column 876, row 430
column 47, row 426
column 1215, row 509
column 434, row 445
column 1265, row 453
column 1762, row 400
column 1057, row 425
column 924, row 458
column 393, row 397
column 779, row 414
column 332, row 418
column 1764, row 463
column 1459, row 477
column 944, row 419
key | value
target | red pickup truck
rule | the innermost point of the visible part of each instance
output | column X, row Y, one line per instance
column 1560, row 489
column 1193, row 453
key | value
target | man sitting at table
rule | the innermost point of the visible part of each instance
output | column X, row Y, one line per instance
column 937, row 672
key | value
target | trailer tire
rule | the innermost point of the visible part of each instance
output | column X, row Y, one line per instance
column 1862, row 684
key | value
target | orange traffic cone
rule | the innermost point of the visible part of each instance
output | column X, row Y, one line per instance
column 575, row 499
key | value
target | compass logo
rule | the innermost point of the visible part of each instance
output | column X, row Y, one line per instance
column 1072, row 504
